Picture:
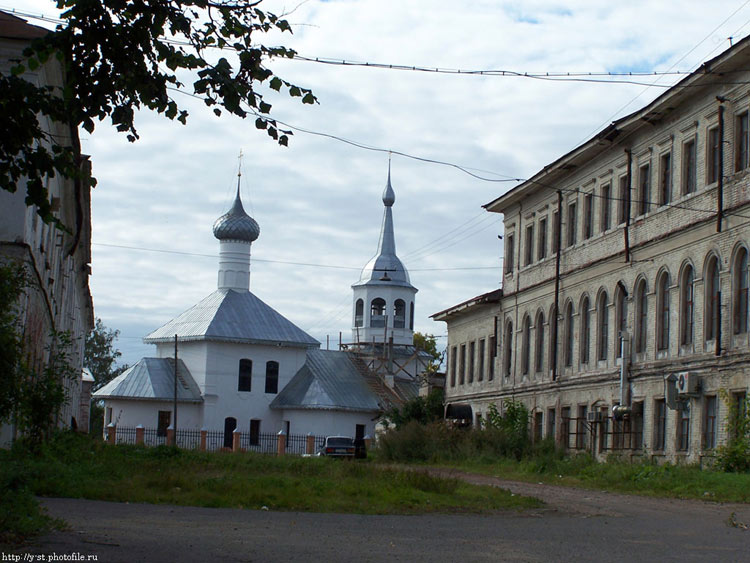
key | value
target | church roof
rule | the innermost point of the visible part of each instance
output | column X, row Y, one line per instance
column 328, row 380
column 385, row 268
column 152, row 379
column 233, row 316
column 235, row 224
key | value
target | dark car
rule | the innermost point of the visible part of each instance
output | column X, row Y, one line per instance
column 338, row 446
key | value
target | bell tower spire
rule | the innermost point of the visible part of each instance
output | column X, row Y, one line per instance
column 384, row 296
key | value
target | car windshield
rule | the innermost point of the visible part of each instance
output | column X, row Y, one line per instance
column 339, row 442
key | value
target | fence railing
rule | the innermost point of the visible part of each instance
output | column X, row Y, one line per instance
column 214, row 440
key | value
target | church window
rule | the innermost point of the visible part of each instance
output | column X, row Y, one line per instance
column 507, row 349
column 359, row 312
column 272, row 377
column 245, row 379
column 602, row 316
column 585, row 330
column 641, row 317
column 539, row 347
column 740, row 290
column 713, row 301
column 411, row 316
column 662, row 312
column 377, row 313
column 399, row 314
column 525, row 345
column 686, row 307
column 569, row 335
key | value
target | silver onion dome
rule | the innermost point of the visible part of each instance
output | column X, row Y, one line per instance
column 235, row 224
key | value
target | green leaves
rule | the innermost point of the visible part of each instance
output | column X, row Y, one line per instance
column 116, row 59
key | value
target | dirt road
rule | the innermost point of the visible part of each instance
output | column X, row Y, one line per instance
column 575, row 525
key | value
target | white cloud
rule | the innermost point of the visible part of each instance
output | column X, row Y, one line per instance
column 318, row 201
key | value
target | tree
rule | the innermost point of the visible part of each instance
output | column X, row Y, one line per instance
column 119, row 57
column 12, row 283
column 100, row 355
column 32, row 399
column 428, row 343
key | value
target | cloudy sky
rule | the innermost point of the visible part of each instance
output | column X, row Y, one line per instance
column 318, row 202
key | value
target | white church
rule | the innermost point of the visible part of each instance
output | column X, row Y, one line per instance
column 242, row 365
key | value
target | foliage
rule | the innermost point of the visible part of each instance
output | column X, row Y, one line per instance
column 428, row 343
column 419, row 409
column 120, row 57
column 734, row 456
column 12, row 284
column 42, row 394
column 73, row 465
column 32, row 399
column 514, row 424
column 100, row 354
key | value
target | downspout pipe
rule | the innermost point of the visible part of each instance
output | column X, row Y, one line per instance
column 626, row 203
column 553, row 320
column 720, row 182
column 623, row 410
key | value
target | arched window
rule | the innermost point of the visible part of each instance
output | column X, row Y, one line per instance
column 662, row 312
column 526, row 345
column 359, row 313
column 272, row 377
column 585, row 330
column 686, row 307
column 569, row 335
column 411, row 316
column 399, row 313
column 641, row 317
column 739, row 301
column 539, row 344
column 245, row 379
column 377, row 313
column 713, row 299
column 621, row 317
column 507, row 348
column 602, row 320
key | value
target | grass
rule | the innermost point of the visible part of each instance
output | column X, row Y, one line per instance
column 495, row 453
column 76, row 466
column 617, row 475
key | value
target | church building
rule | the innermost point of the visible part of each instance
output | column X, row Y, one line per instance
column 242, row 365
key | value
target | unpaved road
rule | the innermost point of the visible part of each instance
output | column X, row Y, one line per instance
column 575, row 525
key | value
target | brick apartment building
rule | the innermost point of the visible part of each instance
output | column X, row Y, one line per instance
column 625, row 281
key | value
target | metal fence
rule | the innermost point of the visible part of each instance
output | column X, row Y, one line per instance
column 215, row 440
column 261, row 442
column 607, row 434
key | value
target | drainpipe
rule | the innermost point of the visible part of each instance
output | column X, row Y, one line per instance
column 626, row 231
column 720, row 184
column 553, row 320
column 623, row 410
column 518, row 285
column 717, row 351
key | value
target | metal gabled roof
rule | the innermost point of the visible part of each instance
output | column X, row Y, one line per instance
column 233, row 316
column 152, row 379
column 328, row 380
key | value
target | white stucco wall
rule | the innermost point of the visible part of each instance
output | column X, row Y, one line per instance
column 328, row 423
column 146, row 413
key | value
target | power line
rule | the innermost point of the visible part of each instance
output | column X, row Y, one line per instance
column 286, row 262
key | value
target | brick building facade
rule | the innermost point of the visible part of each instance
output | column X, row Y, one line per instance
column 625, row 280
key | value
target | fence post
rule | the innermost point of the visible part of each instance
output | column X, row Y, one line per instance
column 368, row 441
column 139, row 433
column 281, row 443
column 112, row 433
column 310, row 446
column 204, row 436
column 170, row 436
column 236, row 440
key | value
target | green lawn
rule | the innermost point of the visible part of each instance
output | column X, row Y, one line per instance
column 75, row 466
